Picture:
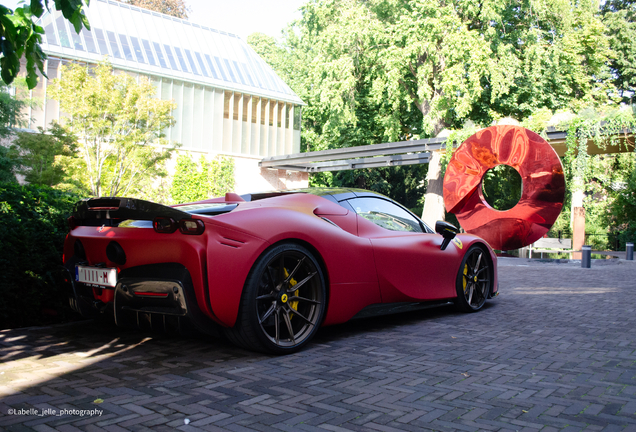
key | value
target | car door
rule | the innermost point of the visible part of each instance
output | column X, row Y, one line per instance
column 409, row 262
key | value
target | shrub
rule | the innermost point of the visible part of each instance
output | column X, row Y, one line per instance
column 32, row 231
column 196, row 181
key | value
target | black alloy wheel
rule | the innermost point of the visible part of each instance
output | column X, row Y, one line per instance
column 474, row 280
column 283, row 301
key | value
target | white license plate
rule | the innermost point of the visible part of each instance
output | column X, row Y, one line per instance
column 96, row 276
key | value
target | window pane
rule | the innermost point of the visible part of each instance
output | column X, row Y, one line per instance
column 385, row 214
column 49, row 31
column 229, row 69
column 191, row 62
column 149, row 55
column 77, row 41
column 266, row 83
column 162, row 61
column 218, row 63
column 125, row 47
column 280, row 113
column 113, row 44
column 137, row 48
column 212, row 69
column 238, row 71
column 101, row 41
column 181, row 59
column 173, row 64
column 90, row 43
column 201, row 64
column 61, row 30
column 247, row 74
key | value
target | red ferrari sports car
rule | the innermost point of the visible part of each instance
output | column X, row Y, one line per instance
column 266, row 269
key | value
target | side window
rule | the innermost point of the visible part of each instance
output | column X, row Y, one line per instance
column 385, row 214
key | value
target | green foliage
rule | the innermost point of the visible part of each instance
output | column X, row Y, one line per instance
column 501, row 186
column 619, row 18
column 380, row 71
column 386, row 70
column 405, row 184
column 622, row 212
column 22, row 37
column 11, row 111
column 605, row 180
column 39, row 155
column 603, row 128
column 175, row 8
column 8, row 166
column 120, row 124
column 32, row 231
column 196, row 181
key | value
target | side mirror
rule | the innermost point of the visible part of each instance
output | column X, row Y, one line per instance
column 447, row 231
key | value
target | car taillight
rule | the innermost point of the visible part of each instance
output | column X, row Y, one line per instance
column 191, row 226
column 163, row 224
column 168, row 225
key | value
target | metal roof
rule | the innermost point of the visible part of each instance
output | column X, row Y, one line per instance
column 152, row 43
column 409, row 153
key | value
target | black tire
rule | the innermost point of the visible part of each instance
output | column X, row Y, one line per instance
column 283, row 301
column 474, row 280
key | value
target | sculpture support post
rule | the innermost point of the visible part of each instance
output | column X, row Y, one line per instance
column 578, row 222
column 434, row 198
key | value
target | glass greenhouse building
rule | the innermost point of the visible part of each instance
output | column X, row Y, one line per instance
column 229, row 101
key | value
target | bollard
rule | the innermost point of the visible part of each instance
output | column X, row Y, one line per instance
column 586, row 258
column 629, row 251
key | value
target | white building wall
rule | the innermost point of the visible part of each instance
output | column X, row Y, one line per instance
column 212, row 121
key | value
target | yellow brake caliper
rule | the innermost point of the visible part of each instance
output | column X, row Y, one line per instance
column 465, row 277
column 294, row 304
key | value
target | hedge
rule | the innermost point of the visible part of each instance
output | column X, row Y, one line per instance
column 32, row 231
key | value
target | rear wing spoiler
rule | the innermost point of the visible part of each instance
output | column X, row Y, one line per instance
column 117, row 208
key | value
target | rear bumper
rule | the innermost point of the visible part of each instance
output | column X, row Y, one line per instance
column 158, row 297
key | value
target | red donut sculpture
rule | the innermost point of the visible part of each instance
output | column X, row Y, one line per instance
column 543, row 186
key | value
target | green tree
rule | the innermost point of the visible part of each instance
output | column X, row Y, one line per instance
column 11, row 111
column 38, row 154
column 387, row 70
column 196, row 181
column 415, row 67
column 619, row 17
column 32, row 230
column 176, row 8
column 8, row 166
column 21, row 36
column 119, row 123
column 11, row 115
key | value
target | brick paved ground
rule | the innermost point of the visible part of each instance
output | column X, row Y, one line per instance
column 555, row 351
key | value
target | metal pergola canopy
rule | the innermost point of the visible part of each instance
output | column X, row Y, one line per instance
column 369, row 156
column 402, row 153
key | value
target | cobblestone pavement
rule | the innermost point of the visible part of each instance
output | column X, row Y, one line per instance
column 555, row 351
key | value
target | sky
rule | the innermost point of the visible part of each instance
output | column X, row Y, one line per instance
column 241, row 17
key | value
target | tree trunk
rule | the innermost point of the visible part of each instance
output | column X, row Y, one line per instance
column 434, row 197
